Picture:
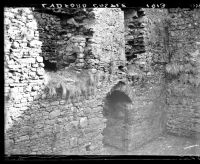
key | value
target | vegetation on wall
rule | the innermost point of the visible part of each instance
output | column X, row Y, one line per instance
column 186, row 71
column 183, row 68
column 70, row 83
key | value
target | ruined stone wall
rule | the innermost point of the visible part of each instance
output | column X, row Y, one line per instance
column 145, row 115
column 24, row 71
column 146, row 38
column 145, row 74
column 64, row 37
column 53, row 126
column 134, row 34
column 38, row 124
column 108, row 38
column 184, row 96
column 49, row 125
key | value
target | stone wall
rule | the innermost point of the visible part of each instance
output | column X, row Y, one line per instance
column 184, row 95
column 134, row 34
column 145, row 116
column 39, row 124
column 145, row 73
column 108, row 38
column 64, row 37
column 24, row 71
column 53, row 126
column 146, row 38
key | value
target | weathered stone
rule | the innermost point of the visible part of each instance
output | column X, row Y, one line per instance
column 41, row 64
column 33, row 69
column 62, row 102
column 32, row 74
column 23, row 138
column 93, row 70
column 35, row 88
column 54, row 113
column 33, row 93
column 83, row 122
column 23, row 100
column 73, row 142
column 81, row 55
column 75, row 123
column 35, row 65
column 40, row 71
column 39, row 59
column 30, row 16
column 78, row 49
column 35, row 43
column 32, row 25
column 15, row 45
column 55, row 103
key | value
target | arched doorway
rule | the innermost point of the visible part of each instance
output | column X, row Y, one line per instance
column 115, row 110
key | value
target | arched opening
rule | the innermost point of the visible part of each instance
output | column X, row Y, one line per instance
column 116, row 112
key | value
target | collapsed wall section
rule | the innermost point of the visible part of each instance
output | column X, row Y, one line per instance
column 64, row 36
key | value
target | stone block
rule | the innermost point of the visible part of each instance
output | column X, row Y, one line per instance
column 62, row 102
column 54, row 113
column 75, row 123
column 83, row 122
column 33, row 93
column 15, row 44
column 35, row 65
column 24, row 100
column 23, row 138
column 41, row 64
column 35, row 88
column 39, row 59
column 32, row 25
column 35, row 43
column 80, row 55
column 30, row 16
column 33, row 69
column 55, row 103
column 40, row 71
column 73, row 141
column 78, row 49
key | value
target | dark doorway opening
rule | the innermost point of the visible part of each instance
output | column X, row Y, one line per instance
column 115, row 110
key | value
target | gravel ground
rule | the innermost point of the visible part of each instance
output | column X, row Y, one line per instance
column 164, row 145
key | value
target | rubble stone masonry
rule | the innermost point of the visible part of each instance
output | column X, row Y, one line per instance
column 183, row 99
column 130, row 48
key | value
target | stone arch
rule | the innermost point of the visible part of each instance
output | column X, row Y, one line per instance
column 123, row 87
column 116, row 108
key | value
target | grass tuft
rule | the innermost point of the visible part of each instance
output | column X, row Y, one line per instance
column 72, row 84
